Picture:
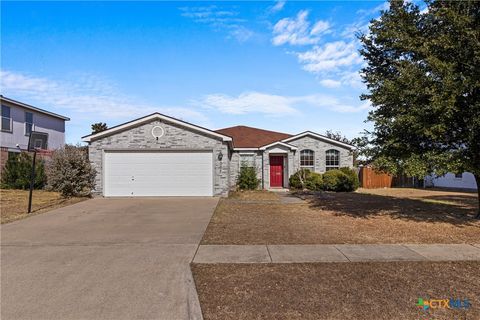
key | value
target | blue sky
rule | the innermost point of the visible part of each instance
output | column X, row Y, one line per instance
column 285, row 66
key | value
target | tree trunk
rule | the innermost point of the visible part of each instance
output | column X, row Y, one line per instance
column 477, row 179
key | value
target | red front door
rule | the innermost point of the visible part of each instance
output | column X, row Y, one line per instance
column 276, row 171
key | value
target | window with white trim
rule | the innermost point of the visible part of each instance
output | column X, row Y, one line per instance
column 332, row 159
column 458, row 175
column 307, row 158
column 247, row 160
column 28, row 123
column 6, row 119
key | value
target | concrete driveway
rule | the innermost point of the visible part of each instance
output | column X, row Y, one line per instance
column 103, row 259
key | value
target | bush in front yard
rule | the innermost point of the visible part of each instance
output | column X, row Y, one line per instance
column 69, row 172
column 336, row 180
column 247, row 179
column 353, row 176
column 17, row 170
column 306, row 179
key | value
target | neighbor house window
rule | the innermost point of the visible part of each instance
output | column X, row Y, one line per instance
column 458, row 175
column 332, row 159
column 6, row 119
column 247, row 160
column 307, row 158
column 28, row 123
column 12, row 155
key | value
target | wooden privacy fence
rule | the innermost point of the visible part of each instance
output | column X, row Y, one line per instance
column 370, row 179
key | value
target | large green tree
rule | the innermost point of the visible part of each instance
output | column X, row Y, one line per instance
column 423, row 78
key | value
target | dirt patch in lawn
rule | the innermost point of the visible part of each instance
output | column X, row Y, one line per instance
column 335, row 218
column 14, row 203
column 336, row 290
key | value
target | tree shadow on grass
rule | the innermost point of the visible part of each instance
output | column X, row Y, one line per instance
column 455, row 209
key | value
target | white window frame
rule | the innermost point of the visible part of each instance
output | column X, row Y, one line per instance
column 9, row 120
column 313, row 159
column 330, row 166
column 27, row 123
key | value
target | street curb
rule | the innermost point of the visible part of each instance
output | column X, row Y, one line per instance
column 193, row 304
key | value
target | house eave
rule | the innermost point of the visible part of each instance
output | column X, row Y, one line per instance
column 284, row 144
column 151, row 117
column 321, row 137
column 30, row 107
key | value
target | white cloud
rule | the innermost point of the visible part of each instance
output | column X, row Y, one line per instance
column 278, row 6
column 352, row 79
column 249, row 102
column 274, row 105
column 334, row 103
column 240, row 33
column 320, row 27
column 330, row 83
column 375, row 10
column 351, row 30
column 297, row 31
column 89, row 98
column 330, row 56
column 220, row 20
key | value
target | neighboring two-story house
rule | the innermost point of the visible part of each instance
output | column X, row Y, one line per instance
column 19, row 119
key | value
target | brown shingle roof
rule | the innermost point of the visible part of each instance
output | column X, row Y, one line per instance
column 248, row 137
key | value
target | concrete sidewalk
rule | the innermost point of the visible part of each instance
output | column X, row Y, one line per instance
column 335, row 253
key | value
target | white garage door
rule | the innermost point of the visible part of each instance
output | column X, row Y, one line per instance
column 158, row 174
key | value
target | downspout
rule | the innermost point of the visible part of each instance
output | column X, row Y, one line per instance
column 263, row 169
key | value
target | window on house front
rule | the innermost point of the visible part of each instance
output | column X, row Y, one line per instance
column 28, row 123
column 6, row 119
column 458, row 175
column 332, row 159
column 247, row 160
column 307, row 158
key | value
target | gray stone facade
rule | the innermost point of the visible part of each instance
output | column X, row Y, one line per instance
column 319, row 147
column 175, row 138
column 236, row 163
column 225, row 173
column 288, row 164
column 292, row 162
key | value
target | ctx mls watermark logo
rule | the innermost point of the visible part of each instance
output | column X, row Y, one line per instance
column 443, row 304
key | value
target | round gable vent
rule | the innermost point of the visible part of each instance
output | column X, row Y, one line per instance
column 157, row 132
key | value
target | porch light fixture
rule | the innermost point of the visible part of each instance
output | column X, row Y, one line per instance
column 220, row 156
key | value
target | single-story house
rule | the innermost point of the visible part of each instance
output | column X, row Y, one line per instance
column 461, row 181
column 158, row 155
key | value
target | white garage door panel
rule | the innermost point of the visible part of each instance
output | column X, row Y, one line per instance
column 158, row 174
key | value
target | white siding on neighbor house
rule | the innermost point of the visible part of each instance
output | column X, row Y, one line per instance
column 467, row 181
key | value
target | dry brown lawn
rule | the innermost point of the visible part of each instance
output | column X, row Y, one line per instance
column 369, row 291
column 14, row 203
column 365, row 216
column 254, row 196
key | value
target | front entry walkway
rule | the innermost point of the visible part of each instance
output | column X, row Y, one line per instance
column 122, row 258
column 335, row 253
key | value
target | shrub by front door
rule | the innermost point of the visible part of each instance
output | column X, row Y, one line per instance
column 276, row 171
